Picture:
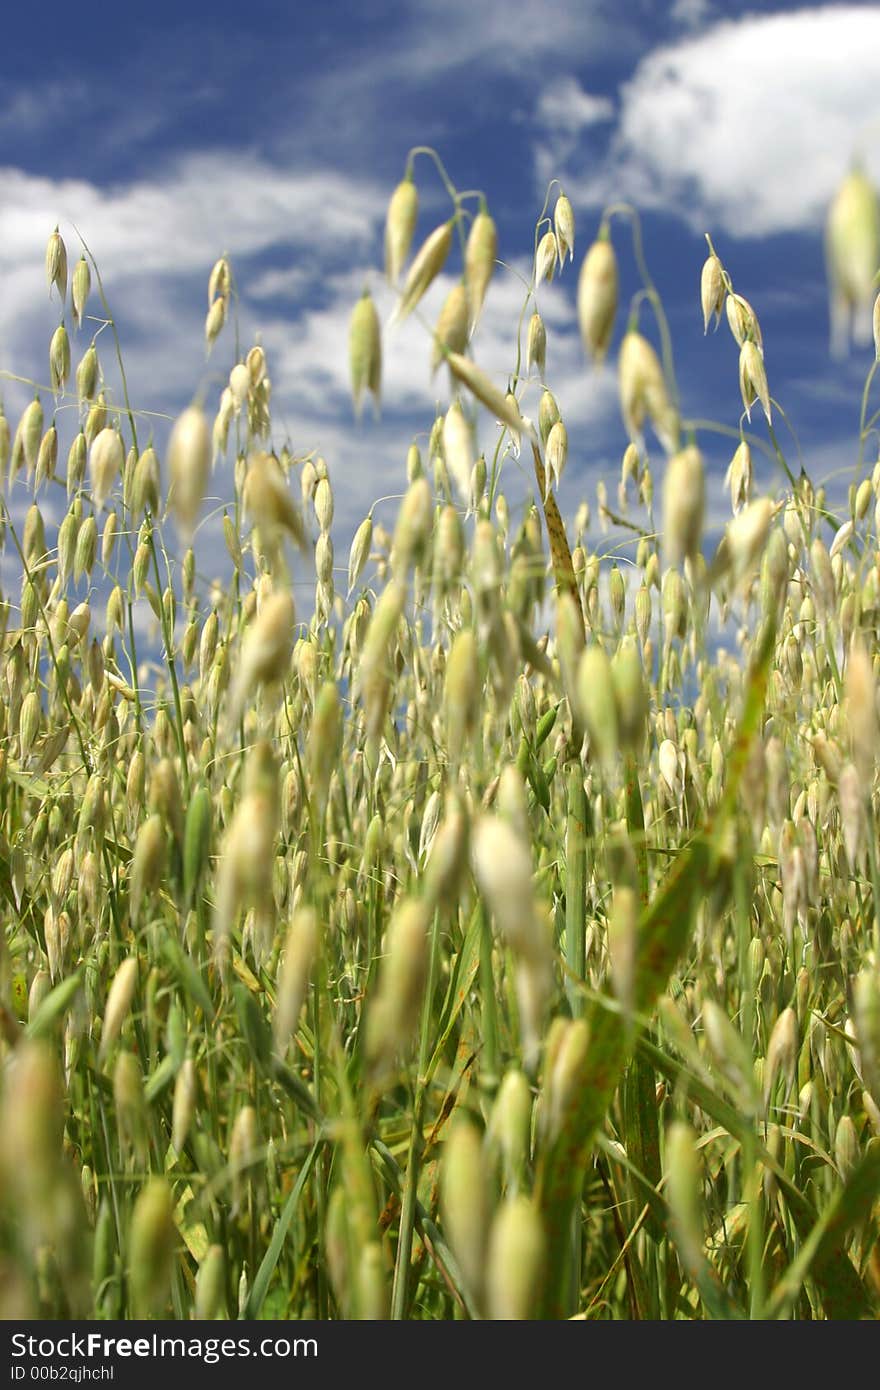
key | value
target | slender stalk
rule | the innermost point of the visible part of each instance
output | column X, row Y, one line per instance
column 400, row 1287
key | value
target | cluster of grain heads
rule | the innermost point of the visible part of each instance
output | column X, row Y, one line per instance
column 219, row 293
column 352, row 927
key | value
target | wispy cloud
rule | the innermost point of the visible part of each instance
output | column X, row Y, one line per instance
column 749, row 125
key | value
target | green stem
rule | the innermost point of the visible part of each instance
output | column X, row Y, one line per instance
column 168, row 642
column 400, row 1287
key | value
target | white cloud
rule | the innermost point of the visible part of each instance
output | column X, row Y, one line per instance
column 690, row 14
column 155, row 242
column 750, row 125
column 564, row 106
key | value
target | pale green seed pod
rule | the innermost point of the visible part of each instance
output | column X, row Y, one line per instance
column 499, row 403
column 564, row 1069
column 359, row 552
column 46, row 459
column 208, row 644
column 210, row 1295
column 503, row 868
column 268, row 503
column 106, row 460
column 684, row 1190
column 243, row 1148
column 458, row 448
column 375, row 673
column 480, row 252
column 597, row 704
column 448, row 548
column 59, row 358
column 86, row 551
column 214, row 320
column 323, row 743
column 365, row 352
column 556, row 452
column 266, row 650
column 742, row 320
column 643, row 391
column 451, row 332
column 30, row 432
column 79, row 289
column 152, row 1239
column 145, row 491
column 28, row 723
column 684, row 501
column 866, row 1016
column 782, row 1054
column 77, row 459
column 597, row 297
column 56, row 265
column 197, row 836
column 164, row 797
column 184, row 1104
column 465, row 1203
column 860, row 689
column 31, row 1132
column 148, row 863
column 631, row 694
column 324, row 559
column 643, row 612
column 429, row 261
column 118, row 1004
column 33, row 538
column 96, row 419
column 189, row 466
column 131, row 1106
column 712, row 291
column 846, row 1146
column 372, row 1282
column 413, row 528
column 536, row 344
column 546, row 257
column 395, row 1008
column 447, row 854
column 462, row 694
column 753, row 379
column 728, row 1051
column 87, row 374
column 294, row 976
column 852, row 243
column 563, row 226
column 548, row 414
column 400, row 224
column 510, row 1126
column 40, row 987
column 516, row 1262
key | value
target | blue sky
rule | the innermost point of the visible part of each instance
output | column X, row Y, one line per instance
column 169, row 134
